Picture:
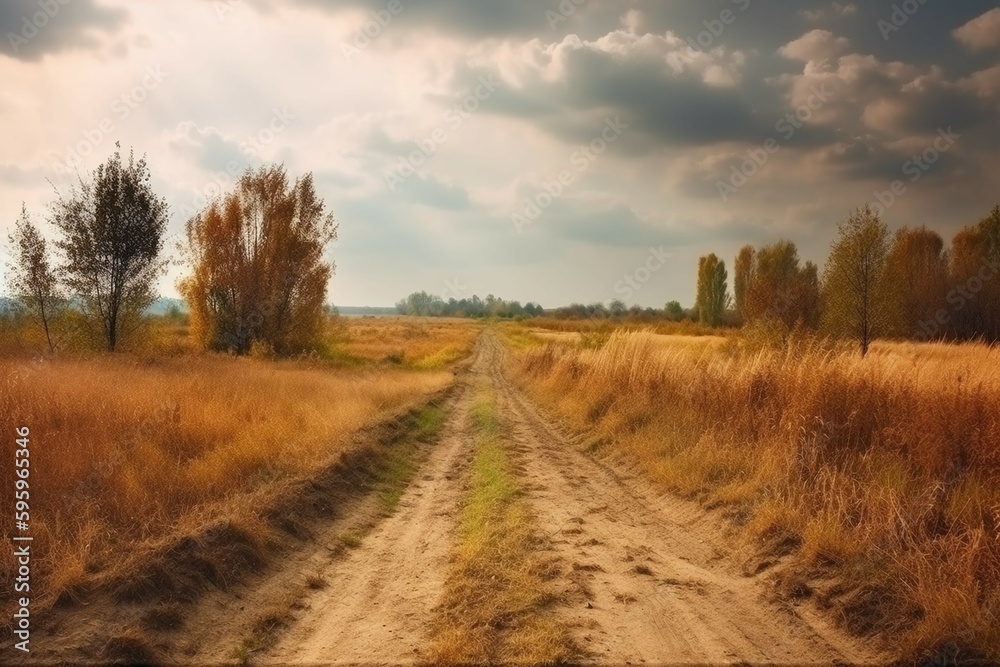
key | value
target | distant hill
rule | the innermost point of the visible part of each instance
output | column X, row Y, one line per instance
column 163, row 306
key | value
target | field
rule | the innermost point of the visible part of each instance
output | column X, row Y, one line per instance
column 870, row 485
column 449, row 491
column 132, row 449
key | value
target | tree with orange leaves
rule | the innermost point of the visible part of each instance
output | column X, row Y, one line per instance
column 259, row 277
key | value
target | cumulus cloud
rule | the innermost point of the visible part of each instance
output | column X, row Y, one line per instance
column 666, row 91
column 688, row 114
column 982, row 32
column 816, row 45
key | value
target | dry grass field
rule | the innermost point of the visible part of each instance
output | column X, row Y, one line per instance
column 872, row 486
column 867, row 489
column 130, row 448
column 422, row 344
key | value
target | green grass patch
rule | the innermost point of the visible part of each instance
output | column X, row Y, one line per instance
column 443, row 358
column 350, row 540
column 518, row 338
column 396, row 470
column 429, row 422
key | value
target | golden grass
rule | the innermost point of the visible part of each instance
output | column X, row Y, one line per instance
column 493, row 610
column 127, row 449
column 601, row 325
column 881, row 475
column 419, row 343
column 411, row 342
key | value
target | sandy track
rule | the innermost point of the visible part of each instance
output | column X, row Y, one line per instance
column 645, row 576
column 642, row 577
column 379, row 601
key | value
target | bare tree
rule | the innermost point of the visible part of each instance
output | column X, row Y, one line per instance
column 32, row 279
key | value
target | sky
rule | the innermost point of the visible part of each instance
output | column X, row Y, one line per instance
column 553, row 151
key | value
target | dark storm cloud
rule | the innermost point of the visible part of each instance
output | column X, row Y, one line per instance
column 31, row 29
column 675, row 110
column 657, row 104
column 666, row 108
column 471, row 18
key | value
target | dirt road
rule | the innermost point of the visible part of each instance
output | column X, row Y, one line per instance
column 653, row 568
column 379, row 601
column 644, row 578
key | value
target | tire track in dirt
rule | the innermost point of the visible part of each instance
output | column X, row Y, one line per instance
column 644, row 576
column 379, row 600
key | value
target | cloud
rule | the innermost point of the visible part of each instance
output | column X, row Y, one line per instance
column 207, row 147
column 472, row 18
column 816, row 45
column 691, row 115
column 982, row 32
column 31, row 29
column 666, row 91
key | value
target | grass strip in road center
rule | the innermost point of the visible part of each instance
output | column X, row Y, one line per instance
column 496, row 597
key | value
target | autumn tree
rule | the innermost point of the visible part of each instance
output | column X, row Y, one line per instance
column 112, row 236
column 674, row 311
column 854, row 292
column 713, row 297
column 259, row 277
column 973, row 300
column 32, row 279
column 743, row 278
column 773, row 285
column 917, row 275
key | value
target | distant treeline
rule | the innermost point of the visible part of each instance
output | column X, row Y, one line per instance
column 905, row 284
column 617, row 309
column 431, row 305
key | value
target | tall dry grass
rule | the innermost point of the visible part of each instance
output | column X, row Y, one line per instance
column 125, row 450
column 878, row 478
column 411, row 342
